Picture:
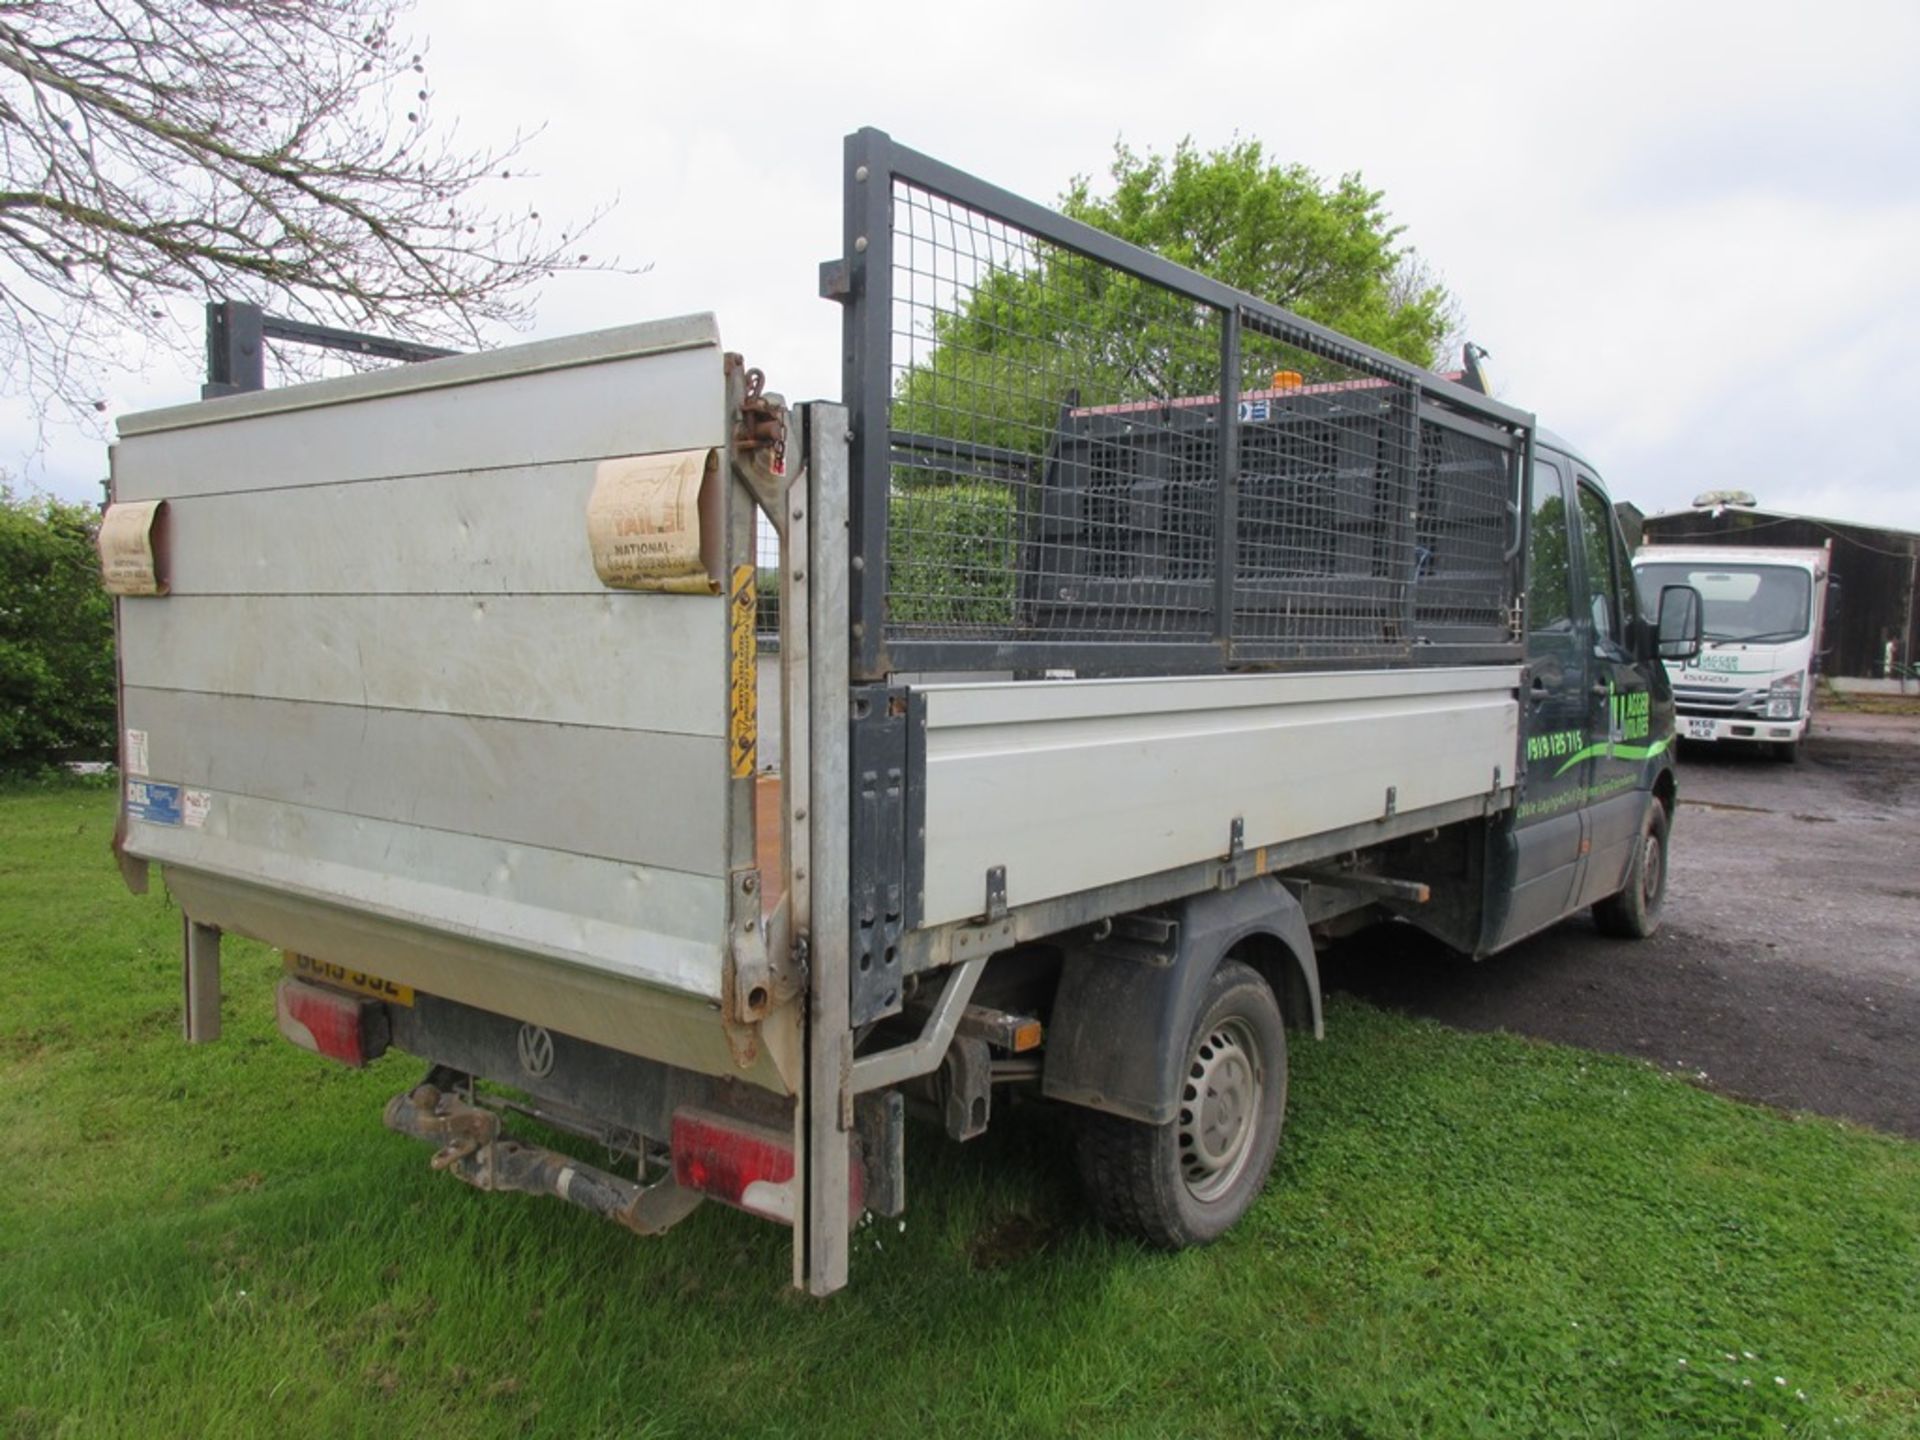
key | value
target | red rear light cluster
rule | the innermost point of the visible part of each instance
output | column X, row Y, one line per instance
column 349, row 1028
column 746, row 1166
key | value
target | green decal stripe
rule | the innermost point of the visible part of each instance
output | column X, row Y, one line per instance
column 1578, row 756
column 1618, row 752
column 1642, row 752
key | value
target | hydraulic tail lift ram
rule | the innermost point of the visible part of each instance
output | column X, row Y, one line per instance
column 1127, row 635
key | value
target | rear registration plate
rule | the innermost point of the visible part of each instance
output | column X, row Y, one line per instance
column 340, row 977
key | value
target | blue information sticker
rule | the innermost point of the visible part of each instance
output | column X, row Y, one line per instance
column 155, row 804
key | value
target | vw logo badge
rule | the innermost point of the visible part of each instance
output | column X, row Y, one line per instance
column 536, row 1051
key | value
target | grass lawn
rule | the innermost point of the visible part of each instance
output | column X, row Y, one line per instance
column 1466, row 1235
column 1861, row 702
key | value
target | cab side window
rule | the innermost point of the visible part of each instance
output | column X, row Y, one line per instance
column 1549, row 583
column 1630, row 615
column 1603, row 574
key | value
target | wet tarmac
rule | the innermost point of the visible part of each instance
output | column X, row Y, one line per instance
column 1787, row 967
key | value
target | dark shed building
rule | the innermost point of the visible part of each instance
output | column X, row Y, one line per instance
column 1876, row 569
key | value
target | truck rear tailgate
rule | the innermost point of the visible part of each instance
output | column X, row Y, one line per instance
column 388, row 714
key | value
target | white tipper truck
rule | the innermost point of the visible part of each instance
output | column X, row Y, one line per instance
column 1131, row 634
column 1764, row 610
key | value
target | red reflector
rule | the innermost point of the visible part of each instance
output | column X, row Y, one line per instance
column 347, row 1028
column 747, row 1166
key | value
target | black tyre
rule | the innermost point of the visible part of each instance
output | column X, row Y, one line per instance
column 1184, row 1183
column 1786, row 751
column 1634, row 913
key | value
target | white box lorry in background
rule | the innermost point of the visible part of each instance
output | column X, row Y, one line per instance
column 1765, row 612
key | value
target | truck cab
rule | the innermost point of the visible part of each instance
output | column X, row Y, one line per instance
column 1763, row 609
column 1597, row 797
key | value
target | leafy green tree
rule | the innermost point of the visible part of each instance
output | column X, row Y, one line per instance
column 56, row 636
column 1329, row 252
column 1036, row 326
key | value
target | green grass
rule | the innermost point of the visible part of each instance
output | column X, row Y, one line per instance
column 1862, row 702
column 1466, row 1235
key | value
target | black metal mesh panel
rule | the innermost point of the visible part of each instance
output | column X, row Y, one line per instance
column 1050, row 471
column 1096, row 461
column 1466, row 533
column 1324, row 552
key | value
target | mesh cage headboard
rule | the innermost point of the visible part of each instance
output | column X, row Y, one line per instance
column 1071, row 454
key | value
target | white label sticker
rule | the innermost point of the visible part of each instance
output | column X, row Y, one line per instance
column 136, row 752
column 194, row 805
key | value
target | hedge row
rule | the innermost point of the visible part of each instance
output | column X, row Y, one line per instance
column 953, row 549
column 56, row 637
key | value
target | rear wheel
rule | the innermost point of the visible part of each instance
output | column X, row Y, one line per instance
column 1185, row 1182
column 1634, row 913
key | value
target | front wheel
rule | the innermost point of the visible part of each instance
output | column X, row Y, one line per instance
column 1634, row 913
column 1185, row 1182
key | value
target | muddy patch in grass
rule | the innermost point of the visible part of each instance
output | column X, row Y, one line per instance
column 1011, row 1240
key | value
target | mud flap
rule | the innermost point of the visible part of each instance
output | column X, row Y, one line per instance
column 1122, row 1013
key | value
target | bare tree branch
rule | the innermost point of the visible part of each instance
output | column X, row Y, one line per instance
column 277, row 151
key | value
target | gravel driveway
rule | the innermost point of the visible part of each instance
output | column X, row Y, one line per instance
column 1787, row 970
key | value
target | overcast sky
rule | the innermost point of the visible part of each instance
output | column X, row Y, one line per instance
column 1689, row 235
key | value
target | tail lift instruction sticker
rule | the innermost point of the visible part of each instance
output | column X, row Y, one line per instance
column 159, row 804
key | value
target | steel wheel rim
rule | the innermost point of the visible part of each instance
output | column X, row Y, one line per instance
column 1220, row 1107
column 1650, row 876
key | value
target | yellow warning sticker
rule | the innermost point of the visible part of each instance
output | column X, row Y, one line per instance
column 743, row 714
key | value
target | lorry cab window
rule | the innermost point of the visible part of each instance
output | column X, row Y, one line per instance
column 1631, row 610
column 1603, row 583
column 1747, row 603
column 1549, row 598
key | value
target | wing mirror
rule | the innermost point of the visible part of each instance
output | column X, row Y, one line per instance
column 1679, row 631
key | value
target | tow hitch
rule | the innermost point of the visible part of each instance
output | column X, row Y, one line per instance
column 472, row 1149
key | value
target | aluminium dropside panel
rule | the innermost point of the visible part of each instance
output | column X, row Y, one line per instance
column 1070, row 786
